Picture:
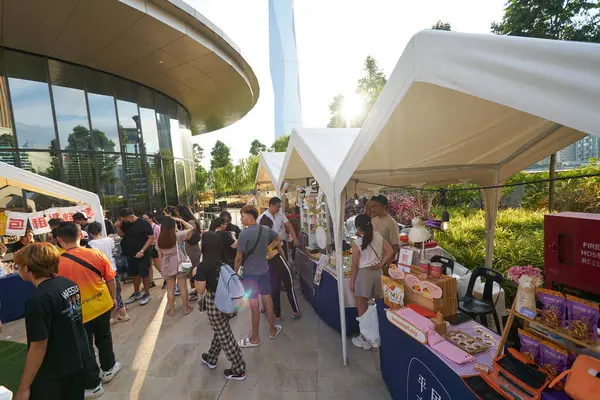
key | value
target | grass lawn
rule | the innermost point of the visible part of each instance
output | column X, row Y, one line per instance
column 12, row 362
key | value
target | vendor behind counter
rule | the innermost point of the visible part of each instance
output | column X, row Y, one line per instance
column 18, row 245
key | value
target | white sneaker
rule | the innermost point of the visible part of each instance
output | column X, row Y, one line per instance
column 108, row 376
column 93, row 393
column 360, row 342
column 145, row 299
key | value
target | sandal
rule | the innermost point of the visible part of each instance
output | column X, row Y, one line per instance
column 171, row 313
column 278, row 328
column 244, row 343
column 189, row 310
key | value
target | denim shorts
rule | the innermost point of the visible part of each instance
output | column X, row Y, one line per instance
column 257, row 284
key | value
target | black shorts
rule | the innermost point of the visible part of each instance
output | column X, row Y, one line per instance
column 153, row 252
column 139, row 266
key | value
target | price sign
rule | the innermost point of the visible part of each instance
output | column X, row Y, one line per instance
column 405, row 259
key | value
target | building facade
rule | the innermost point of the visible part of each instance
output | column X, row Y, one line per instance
column 580, row 152
column 107, row 96
column 284, row 67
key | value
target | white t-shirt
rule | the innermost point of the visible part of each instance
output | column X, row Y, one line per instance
column 279, row 221
column 373, row 253
column 105, row 245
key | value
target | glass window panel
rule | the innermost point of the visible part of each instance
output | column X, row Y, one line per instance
column 164, row 124
column 149, row 131
column 155, row 180
column 112, row 178
column 104, row 122
column 137, row 184
column 180, row 172
column 176, row 149
column 79, row 170
column 129, row 125
column 43, row 163
column 191, row 182
column 188, row 185
column 7, row 135
column 170, row 181
column 30, row 97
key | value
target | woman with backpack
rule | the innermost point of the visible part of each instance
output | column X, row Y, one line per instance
column 192, row 245
column 206, row 279
column 171, row 258
column 369, row 252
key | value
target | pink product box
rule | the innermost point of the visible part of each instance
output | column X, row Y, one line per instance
column 435, row 251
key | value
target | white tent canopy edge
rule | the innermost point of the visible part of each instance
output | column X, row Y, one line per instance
column 269, row 169
column 40, row 184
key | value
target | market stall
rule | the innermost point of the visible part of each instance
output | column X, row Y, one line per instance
column 462, row 108
column 13, row 291
column 267, row 176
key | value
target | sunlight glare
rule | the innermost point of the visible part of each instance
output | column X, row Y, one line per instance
column 351, row 107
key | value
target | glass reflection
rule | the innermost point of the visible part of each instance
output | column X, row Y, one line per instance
column 136, row 182
column 149, row 131
column 42, row 163
column 155, row 180
column 180, row 173
column 170, row 180
column 112, row 177
column 78, row 169
column 104, row 122
column 7, row 136
column 129, row 126
column 71, row 118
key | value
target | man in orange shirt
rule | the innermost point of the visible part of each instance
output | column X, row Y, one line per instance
column 93, row 273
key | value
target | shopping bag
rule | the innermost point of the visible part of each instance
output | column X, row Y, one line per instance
column 369, row 325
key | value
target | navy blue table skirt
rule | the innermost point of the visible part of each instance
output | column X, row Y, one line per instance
column 324, row 297
column 14, row 293
column 412, row 371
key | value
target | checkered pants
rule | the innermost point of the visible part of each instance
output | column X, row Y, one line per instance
column 223, row 338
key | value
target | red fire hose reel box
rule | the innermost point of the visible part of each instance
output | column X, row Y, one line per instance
column 572, row 250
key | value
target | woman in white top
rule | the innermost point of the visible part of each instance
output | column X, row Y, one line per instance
column 368, row 252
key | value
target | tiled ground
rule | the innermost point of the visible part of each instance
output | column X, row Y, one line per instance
column 161, row 359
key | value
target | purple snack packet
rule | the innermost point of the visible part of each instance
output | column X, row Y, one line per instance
column 554, row 359
column 530, row 346
column 554, row 307
column 583, row 318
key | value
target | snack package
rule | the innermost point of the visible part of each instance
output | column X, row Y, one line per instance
column 553, row 358
column 554, row 307
column 530, row 345
column 583, row 318
column 393, row 293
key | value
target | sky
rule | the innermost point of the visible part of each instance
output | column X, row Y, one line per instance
column 333, row 39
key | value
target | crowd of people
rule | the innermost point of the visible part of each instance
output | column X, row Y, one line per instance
column 78, row 274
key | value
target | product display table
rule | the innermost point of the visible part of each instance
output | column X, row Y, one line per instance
column 415, row 371
column 14, row 293
column 324, row 296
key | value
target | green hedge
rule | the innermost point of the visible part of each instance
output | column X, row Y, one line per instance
column 519, row 240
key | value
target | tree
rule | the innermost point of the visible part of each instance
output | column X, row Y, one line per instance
column 368, row 89
column 220, row 155
column 201, row 178
column 256, row 147
column 198, row 154
column 280, row 144
column 442, row 26
column 577, row 20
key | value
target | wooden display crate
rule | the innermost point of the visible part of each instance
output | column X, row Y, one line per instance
column 447, row 305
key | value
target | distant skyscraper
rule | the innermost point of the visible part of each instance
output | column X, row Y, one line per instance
column 284, row 66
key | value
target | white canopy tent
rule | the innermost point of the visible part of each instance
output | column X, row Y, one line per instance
column 461, row 108
column 318, row 154
column 269, row 169
column 466, row 108
column 16, row 177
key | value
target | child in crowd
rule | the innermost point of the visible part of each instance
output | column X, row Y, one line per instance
column 108, row 247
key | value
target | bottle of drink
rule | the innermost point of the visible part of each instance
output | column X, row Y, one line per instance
column 202, row 305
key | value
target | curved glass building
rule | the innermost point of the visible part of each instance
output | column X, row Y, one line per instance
column 105, row 95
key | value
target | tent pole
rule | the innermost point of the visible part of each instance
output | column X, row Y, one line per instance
column 338, row 234
column 491, row 199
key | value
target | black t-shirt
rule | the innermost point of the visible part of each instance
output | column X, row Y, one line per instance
column 227, row 253
column 16, row 246
column 234, row 228
column 110, row 228
column 136, row 234
column 209, row 272
column 53, row 313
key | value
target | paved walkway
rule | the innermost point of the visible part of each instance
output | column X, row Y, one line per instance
column 161, row 358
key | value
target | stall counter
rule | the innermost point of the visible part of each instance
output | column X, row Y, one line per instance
column 324, row 296
column 14, row 293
